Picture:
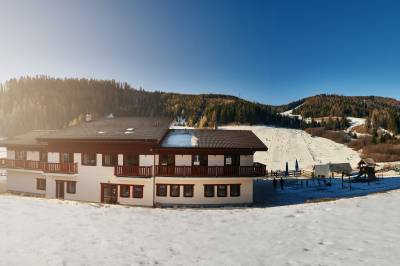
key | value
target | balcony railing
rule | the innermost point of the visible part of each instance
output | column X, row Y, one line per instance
column 210, row 171
column 59, row 168
column 133, row 171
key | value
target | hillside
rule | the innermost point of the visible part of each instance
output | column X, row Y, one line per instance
column 42, row 102
column 379, row 111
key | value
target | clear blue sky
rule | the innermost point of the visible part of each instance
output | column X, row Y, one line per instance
column 267, row 51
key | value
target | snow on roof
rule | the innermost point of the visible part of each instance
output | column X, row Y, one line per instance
column 181, row 138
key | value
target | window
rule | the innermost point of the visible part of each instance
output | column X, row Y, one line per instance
column 43, row 156
column 161, row 190
column 89, row 159
column 174, row 190
column 41, row 184
column 20, row 155
column 137, row 192
column 71, row 187
column 200, row 160
column 235, row 190
column 222, row 190
column 233, row 160
column 131, row 159
column 66, row 157
column 167, row 159
column 188, row 191
column 124, row 191
column 110, row 159
column 208, row 191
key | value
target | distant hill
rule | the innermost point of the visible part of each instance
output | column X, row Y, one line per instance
column 48, row 103
column 380, row 111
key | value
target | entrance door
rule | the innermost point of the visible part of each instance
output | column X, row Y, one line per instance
column 60, row 189
column 109, row 193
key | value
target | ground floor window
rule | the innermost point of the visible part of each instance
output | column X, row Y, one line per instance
column 41, row 184
column 161, row 190
column 124, row 191
column 137, row 192
column 235, row 190
column 174, row 190
column 208, row 191
column 222, row 190
column 71, row 187
column 188, row 191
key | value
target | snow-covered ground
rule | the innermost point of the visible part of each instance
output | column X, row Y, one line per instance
column 355, row 121
column 356, row 231
column 287, row 145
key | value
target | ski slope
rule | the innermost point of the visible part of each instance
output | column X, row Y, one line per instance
column 287, row 145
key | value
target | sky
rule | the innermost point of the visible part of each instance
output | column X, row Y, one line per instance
column 271, row 52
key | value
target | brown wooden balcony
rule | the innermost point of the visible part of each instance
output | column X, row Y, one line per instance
column 210, row 171
column 133, row 171
column 58, row 168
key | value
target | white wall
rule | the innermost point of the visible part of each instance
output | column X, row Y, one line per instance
column 23, row 181
column 53, row 157
column 183, row 160
column 10, row 155
column 216, row 160
column 146, row 160
column 246, row 191
column 33, row 156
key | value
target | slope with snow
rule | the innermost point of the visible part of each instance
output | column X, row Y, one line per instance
column 287, row 145
column 357, row 231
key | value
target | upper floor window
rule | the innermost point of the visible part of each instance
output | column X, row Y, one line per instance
column 167, row 159
column 232, row 160
column 131, row 159
column 89, row 159
column 20, row 155
column 110, row 159
column 43, row 156
column 200, row 160
column 66, row 157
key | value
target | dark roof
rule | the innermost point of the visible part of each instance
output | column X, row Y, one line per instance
column 27, row 139
column 341, row 168
column 123, row 128
column 218, row 139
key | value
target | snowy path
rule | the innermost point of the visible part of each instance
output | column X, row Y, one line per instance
column 291, row 144
column 357, row 231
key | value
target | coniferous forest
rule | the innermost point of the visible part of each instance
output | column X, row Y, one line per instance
column 49, row 103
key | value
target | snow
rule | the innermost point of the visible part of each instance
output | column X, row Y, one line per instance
column 180, row 138
column 290, row 112
column 355, row 231
column 287, row 145
column 354, row 122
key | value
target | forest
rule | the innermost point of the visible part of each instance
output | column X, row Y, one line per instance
column 43, row 102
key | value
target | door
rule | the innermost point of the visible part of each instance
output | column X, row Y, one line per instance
column 60, row 189
column 109, row 193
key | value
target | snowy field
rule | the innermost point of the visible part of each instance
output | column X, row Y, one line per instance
column 290, row 144
column 356, row 231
